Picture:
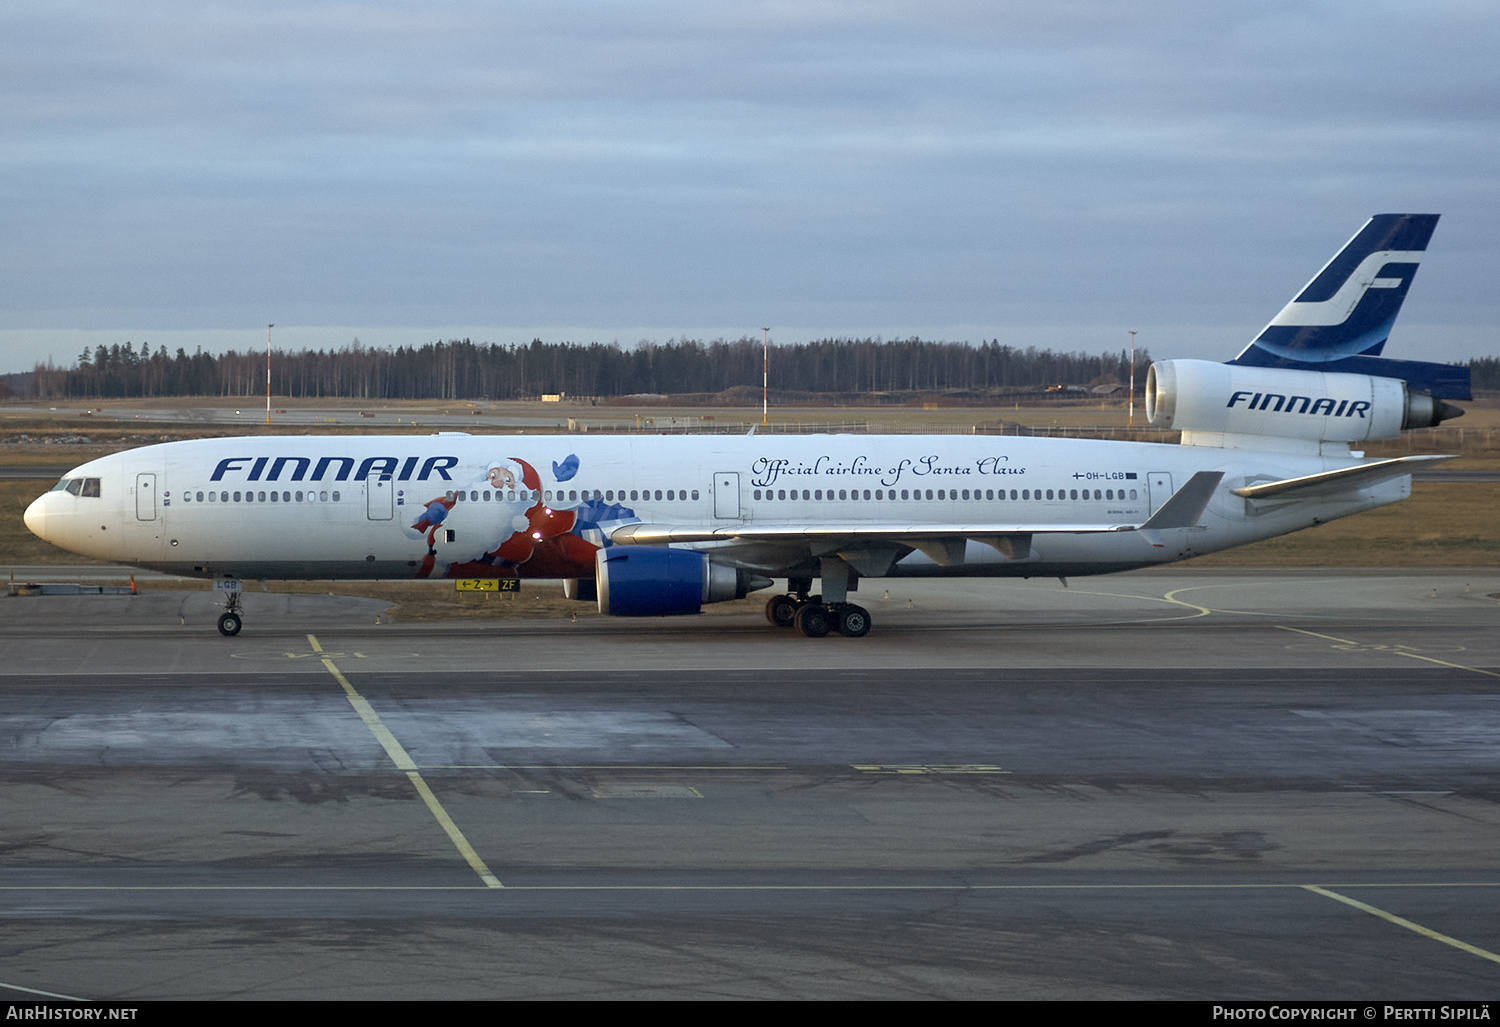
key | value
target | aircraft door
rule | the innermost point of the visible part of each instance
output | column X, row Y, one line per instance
column 380, row 498
column 145, row 497
column 1158, row 488
column 727, row 494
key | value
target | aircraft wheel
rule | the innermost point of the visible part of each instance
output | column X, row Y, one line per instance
column 229, row 624
column 854, row 621
column 781, row 611
column 814, row 620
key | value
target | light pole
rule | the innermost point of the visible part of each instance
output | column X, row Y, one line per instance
column 765, row 377
column 268, row 374
column 1132, row 379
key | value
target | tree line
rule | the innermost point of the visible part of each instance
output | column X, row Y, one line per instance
column 462, row 369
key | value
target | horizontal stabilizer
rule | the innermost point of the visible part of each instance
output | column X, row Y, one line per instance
column 1187, row 503
column 1342, row 480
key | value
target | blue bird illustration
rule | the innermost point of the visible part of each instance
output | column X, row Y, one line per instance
column 564, row 471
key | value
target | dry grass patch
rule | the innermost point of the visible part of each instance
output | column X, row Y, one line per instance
column 1443, row 524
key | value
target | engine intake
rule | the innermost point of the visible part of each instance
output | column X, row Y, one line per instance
column 656, row 581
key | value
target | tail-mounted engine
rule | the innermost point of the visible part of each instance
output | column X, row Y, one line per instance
column 1199, row 395
column 655, row 581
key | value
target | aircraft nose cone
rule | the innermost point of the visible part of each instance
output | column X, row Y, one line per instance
column 36, row 517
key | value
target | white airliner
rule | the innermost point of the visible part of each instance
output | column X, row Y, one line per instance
column 659, row 525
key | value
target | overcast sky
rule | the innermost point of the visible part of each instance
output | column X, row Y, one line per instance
column 183, row 173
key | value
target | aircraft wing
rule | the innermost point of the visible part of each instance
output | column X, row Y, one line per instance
column 870, row 548
column 665, row 534
column 1344, row 479
column 1011, row 538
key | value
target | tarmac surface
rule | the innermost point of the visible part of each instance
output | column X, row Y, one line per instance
column 1171, row 784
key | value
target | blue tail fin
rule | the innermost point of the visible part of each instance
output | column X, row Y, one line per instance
column 1342, row 318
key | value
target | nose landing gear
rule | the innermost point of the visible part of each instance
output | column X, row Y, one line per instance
column 230, row 621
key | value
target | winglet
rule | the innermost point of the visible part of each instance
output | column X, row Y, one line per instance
column 1187, row 503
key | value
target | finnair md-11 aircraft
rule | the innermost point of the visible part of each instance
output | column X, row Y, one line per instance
column 660, row 525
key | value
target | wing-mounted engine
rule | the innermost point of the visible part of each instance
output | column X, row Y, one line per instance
column 656, row 581
column 1202, row 396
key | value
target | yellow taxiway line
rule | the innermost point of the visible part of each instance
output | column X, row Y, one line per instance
column 1426, row 932
column 404, row 762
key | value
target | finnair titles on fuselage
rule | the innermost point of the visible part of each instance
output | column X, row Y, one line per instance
column 660, row 525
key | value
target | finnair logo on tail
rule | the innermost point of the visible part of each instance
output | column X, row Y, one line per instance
column 1336, row 309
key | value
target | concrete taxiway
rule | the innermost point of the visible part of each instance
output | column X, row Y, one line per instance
column 1172, row 784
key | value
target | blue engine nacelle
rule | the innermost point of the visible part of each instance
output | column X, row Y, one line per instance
column 655, row 581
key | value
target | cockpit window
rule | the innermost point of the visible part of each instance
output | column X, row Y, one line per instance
column 87, row 487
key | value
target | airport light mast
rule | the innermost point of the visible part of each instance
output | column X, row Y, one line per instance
column 268, row 374
column 1132, row 379
column 765, row 377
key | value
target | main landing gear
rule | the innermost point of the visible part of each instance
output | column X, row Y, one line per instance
column 821, row 615
column 817, row 619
